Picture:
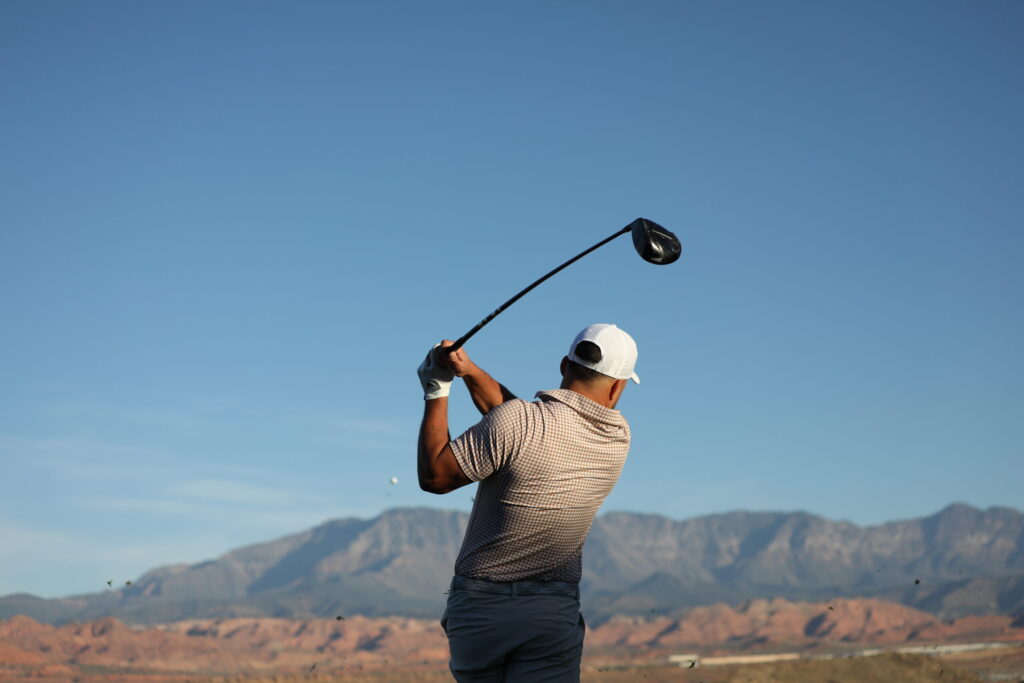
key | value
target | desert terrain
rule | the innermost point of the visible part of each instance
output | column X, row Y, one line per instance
column 934, row 599
column 861, row 639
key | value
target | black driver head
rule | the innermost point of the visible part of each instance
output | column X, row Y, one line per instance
column 654, row 243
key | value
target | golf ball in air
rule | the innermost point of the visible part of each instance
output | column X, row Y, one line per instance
column 394, row 480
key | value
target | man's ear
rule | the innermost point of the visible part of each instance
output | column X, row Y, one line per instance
column 563, row 365
column 615, row 391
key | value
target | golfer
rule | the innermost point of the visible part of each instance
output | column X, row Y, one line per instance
column 544, row 468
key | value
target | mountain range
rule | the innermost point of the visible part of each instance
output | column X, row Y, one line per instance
column 959, row 561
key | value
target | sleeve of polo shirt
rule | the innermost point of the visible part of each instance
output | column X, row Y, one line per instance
column 493, row 442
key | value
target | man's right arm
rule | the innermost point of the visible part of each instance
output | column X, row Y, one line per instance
column 485, row 391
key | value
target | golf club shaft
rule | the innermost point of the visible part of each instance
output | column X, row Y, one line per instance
column 464, row 338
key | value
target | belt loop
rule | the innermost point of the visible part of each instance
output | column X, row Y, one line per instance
column 515, row 589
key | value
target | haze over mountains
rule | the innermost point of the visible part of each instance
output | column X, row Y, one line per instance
column 959, row 561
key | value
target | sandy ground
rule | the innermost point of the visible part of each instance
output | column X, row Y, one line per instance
column 975, row 667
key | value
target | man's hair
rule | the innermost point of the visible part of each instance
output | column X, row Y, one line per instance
column 590, row 352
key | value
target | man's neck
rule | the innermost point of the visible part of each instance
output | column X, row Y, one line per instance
column 589, row 391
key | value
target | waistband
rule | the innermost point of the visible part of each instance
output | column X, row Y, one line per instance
column 516, row 587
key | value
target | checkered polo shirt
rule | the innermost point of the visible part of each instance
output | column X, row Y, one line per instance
column 544, row 469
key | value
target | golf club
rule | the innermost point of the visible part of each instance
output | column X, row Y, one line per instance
column 654, row 243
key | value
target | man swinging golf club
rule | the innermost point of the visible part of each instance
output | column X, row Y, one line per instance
column 544, row 469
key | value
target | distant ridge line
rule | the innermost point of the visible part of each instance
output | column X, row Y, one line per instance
column 961, row 560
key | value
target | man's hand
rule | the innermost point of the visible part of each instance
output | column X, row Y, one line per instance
column 457, row 361
column 485, row 392
column 435, row 378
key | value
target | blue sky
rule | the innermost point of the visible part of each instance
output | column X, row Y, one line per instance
column 230, row 231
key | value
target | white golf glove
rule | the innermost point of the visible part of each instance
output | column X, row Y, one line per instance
column 436, row 380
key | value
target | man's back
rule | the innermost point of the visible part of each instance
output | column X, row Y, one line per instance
column 544, row 470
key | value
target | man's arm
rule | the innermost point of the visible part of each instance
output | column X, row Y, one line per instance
column 436, row 466
column 485, row 391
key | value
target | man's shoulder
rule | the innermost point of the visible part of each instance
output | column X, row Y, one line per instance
column 514, row 414
column 511, row 407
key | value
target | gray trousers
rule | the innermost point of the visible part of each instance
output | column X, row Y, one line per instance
column 519, row 631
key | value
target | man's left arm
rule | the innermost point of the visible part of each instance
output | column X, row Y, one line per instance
column 436, row 467
column 438, row 470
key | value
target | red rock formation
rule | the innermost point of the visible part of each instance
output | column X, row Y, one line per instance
column 782, row 623
column 227, row 646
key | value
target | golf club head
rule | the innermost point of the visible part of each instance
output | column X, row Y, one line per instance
column 654, row 243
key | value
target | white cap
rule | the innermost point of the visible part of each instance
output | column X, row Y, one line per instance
column 618, row 351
